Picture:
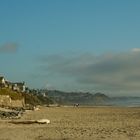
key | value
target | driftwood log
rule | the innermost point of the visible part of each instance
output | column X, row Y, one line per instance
column 42, row 121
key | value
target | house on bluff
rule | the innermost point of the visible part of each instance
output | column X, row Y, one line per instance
column 7, row 89
column 2, row 81
column 20, row 86
column 17, row 86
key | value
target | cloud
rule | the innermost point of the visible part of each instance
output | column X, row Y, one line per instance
column 9, row 48
column 111, row 72
column 136, row 50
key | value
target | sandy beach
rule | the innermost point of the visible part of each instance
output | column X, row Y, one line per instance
column 76, row 123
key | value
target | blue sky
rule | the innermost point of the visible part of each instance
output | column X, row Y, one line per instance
column 56, row 38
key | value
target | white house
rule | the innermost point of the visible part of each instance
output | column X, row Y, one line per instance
column 2, row 81
column 20, row 87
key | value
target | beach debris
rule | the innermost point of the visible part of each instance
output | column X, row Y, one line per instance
column 41, row 121
column 10, row 114
column 35, row 108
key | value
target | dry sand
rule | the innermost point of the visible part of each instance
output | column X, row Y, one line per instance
column 82, row 123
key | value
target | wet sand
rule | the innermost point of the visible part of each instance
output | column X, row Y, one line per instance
column 76, row 123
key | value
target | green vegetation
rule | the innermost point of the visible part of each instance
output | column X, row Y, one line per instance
column 30, row 98
column 45, row 100
column 14, row 95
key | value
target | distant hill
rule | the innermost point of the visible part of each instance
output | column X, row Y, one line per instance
column 77, row 97
column 70, row 98
column 100, row 98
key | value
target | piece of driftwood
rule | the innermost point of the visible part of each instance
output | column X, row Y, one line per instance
column 41, row 121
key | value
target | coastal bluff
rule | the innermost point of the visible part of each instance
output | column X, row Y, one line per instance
column 5, row 100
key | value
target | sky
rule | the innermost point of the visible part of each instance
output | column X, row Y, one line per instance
column 72, row 45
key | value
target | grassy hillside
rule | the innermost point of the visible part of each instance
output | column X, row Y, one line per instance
column 29, row 97
column 14, row 95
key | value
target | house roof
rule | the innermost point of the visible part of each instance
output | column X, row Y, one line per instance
column 20, row 83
